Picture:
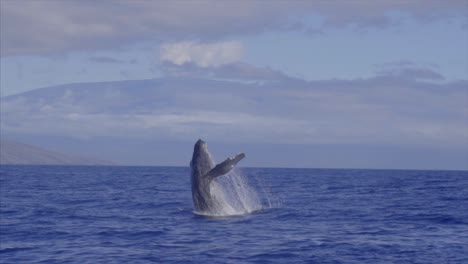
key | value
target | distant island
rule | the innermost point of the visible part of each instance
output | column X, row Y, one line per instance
column 15, row 153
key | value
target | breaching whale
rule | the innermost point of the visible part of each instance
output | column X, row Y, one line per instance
column 203, row 173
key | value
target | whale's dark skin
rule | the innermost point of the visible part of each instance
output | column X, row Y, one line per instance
column 203, row 173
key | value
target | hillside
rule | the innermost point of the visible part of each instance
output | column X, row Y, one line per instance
column 22, row 154
column 373, row 122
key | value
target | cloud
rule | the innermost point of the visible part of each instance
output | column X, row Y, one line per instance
column 232, row 71
column 49, row 27
column 412, row 73
column 202, row 54
column 408, row 70
column 395, row 64
column 381, row 14
column 105, row 59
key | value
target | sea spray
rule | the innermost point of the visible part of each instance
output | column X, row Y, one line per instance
column 235, row 194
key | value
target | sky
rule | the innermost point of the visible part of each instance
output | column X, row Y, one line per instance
column 355, row 73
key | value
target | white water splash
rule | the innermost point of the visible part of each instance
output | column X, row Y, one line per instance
column 235, row 196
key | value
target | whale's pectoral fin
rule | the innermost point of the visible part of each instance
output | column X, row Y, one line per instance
column 225, row 166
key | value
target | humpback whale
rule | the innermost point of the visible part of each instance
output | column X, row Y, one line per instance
column 203, row 172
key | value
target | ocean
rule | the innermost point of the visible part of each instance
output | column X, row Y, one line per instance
column 79, row 214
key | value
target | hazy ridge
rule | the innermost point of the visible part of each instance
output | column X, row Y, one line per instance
column 16, row 153
column 156, row 121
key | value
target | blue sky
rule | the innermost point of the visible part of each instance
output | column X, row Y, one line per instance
column 389, row 72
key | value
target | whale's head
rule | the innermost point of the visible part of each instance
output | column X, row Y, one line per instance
column 200, row 144
column 201, row 158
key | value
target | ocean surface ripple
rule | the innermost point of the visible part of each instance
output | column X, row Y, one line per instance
column 54, row 214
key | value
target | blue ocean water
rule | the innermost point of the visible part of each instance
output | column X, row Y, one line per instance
column 53, row 214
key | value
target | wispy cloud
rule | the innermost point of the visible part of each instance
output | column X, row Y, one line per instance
column 234, row 71
column 220, row 60
column 409, row 70
column 106, row 59
column 47, row 27
column 412, row 73
column 202, row 54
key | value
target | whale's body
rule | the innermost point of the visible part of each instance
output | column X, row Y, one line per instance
column 203, row 172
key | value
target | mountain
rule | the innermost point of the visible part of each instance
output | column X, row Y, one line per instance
column 385, row 121
column 16, row 153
